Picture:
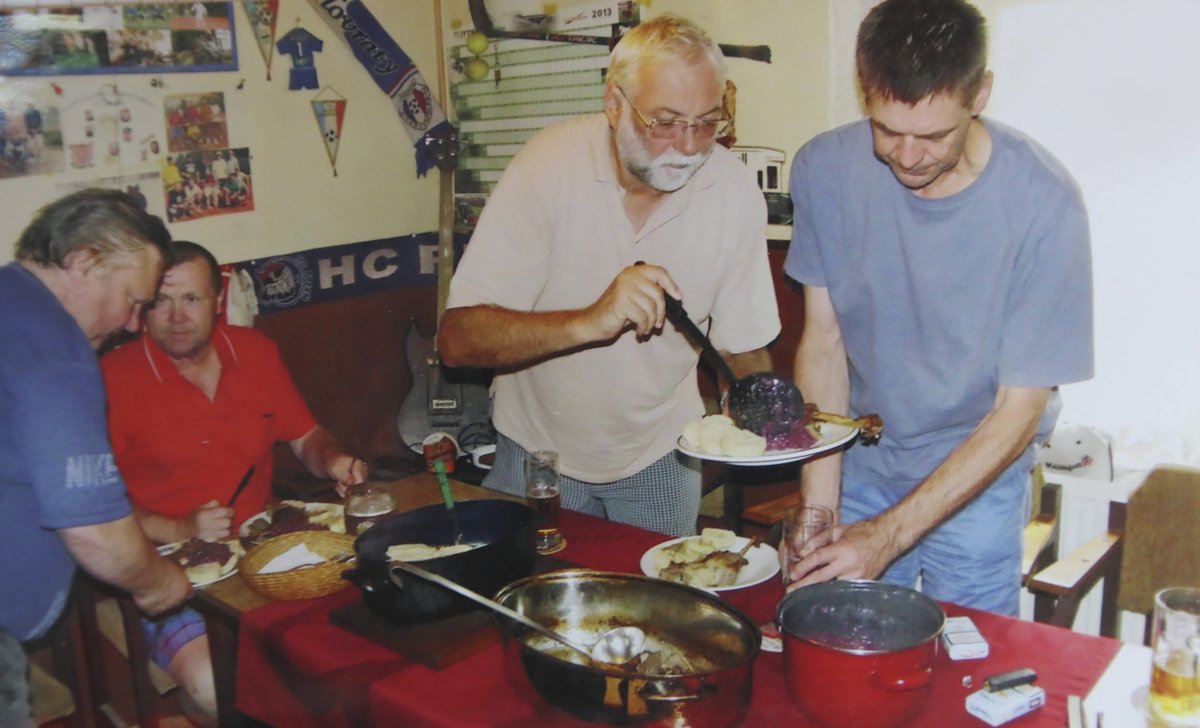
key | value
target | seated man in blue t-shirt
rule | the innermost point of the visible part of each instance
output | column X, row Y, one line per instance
column 85, row 266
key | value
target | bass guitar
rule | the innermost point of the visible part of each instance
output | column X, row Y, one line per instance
column 443, row 399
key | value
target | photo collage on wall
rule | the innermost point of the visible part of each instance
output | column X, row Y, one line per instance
column 119, row 38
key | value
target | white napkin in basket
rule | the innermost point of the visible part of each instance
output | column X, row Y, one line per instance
column 293, row 558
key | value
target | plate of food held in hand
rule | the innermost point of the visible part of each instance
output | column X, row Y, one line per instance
column 717, row 438
column 289, row 516
column 716, row 560
column 204, row 562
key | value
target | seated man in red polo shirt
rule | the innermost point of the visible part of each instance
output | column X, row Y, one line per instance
column 192, row 407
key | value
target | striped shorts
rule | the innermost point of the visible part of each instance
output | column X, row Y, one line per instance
column 168, row 634
column 663, row 497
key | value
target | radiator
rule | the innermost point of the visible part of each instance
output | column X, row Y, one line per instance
column 1084, row 515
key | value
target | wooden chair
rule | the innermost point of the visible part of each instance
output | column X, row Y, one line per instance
column 1151, row 543
column 58, row 683
column 1040, row 539
column 111, row 622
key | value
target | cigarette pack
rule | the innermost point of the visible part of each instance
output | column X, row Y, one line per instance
column 962, row 640
column 1001, row 706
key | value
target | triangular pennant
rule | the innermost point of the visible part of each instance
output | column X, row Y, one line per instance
column 330, row 114
column 263, row 14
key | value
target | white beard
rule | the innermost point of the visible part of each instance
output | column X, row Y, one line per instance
column 667, row 172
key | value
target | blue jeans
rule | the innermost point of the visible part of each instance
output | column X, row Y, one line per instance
column 972, row 558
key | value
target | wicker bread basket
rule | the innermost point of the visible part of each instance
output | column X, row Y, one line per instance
column 303, row 583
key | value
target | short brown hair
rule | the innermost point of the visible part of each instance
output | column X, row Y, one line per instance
column 909, row 50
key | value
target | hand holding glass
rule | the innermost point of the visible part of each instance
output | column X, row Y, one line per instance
column 805, row 529
column 542, row 494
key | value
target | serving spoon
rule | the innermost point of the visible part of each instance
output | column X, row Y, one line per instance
column 764, row 403
column 754, row 401
column 614, row 648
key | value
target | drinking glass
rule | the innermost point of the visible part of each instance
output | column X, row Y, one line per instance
column 366, row 504
column 805, row 529
column 1175, row 679
column 542, row 494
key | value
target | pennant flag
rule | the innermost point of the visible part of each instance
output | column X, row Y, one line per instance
column 329, row 113
column 393, row 71
column 262, row 15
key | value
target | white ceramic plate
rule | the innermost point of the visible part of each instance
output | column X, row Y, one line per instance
column 763, row 562
column 832, row 436
column 227, row 569
column 335, row 520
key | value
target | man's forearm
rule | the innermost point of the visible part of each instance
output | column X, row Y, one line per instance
column 493, row 337
column 117, row 553
column 162, row 529
column 823, row 377
column 994, row 445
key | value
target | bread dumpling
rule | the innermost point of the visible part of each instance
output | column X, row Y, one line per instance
column 741, row 443
column 712, row 429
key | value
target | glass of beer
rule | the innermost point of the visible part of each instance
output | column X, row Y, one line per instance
column 366, row 504
column 542, row 494
column 805, row 529
column 1175, row 679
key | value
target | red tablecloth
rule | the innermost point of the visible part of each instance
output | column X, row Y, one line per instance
column 295, row 668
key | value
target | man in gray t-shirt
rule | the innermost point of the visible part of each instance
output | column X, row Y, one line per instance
column 947, row 286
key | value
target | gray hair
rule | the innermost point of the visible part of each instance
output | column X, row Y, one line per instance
column 667, row 36
column 106, row 222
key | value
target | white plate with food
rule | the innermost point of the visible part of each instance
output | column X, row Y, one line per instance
column 832, row 436
column 329, row 515
column 762, row 561
column 204, row 562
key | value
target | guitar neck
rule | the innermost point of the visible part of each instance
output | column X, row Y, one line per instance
column 445, row 262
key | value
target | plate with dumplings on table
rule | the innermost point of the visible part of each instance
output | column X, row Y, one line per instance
column 204, row 562
column 716, row 438
column 716, row 560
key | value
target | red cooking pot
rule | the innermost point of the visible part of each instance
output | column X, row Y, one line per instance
column 859, row 654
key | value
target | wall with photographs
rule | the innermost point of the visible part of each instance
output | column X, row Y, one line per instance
column 115, row 119
column 297, row 202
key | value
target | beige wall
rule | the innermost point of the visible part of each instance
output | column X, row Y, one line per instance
column 299, row 204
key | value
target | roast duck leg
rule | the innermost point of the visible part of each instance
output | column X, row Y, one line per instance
column 870, row 427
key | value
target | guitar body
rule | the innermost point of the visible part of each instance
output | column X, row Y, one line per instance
column 455, row 401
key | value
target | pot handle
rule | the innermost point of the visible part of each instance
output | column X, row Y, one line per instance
column 363, row 579
column 649, row 693
column 907, row 681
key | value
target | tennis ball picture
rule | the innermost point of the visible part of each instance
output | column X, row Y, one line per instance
column 476, row 69
column 477, row 43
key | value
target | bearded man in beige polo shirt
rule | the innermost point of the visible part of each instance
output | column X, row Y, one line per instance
column 562, row 287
